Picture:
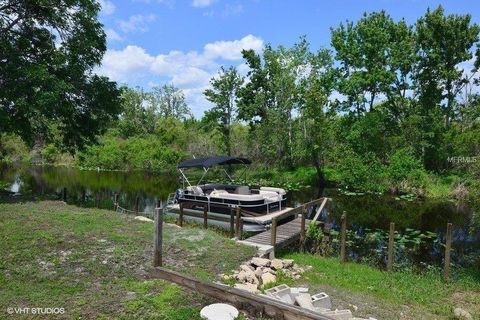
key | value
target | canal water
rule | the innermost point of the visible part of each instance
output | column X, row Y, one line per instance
column 365, row 213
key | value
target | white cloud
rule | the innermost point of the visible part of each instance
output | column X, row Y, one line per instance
column 108, row 7
column 232, row 50
column 190, row 71
column 136, row 23
column 202, row 3
column 112, row 35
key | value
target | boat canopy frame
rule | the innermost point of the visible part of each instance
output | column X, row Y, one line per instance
column 207, row 163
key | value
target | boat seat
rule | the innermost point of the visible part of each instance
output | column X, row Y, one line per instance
column 196, row 190
column 242, row 190
column 280, row 191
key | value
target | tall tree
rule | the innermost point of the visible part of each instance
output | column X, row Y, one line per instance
column 169, row 101
column 224, row 95
column 48, row 50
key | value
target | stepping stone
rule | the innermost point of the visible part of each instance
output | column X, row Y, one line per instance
column 219, row 311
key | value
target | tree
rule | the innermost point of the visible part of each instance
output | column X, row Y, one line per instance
column 376, row 56
column 316, row 110
column 169, row 101
column 224, row 95
column 135, row 119
column 48, row 50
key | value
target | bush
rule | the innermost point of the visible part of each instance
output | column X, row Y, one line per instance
column 13, row 149
column 405, row 172
column 360, row 173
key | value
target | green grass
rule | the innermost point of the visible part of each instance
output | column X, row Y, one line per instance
column 426, row 294
column 96, row 263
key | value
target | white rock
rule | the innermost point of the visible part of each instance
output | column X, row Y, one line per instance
column 287, row 263
column 265, row 270
column 268, row 278
column 219, row 311
column 144, row 219
column 246, row 268
column 276, row 264
column 259, row 272
column 460, row 314
column 260, row 262
column 250, row 287
column 242, row 276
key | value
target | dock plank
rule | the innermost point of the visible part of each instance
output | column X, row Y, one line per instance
column 285, row 234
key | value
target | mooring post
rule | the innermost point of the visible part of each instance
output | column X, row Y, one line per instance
column 205, row 222
column 180, row 216
column 343, row 236
column 302, row 229
column 115, row 201
column 232, row 223
column 241, row 229
column 97, row 199
column 64, row 195
column 157, row 257
column 137, row 203
column 391, row 238
column 274, row 236
column 237, row 223
column 448, row 248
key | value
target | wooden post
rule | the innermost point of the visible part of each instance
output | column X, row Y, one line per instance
column 205, row 222
column 64, row 195
column 159, row 203
column 274, row 235
column 180, row 216
column 237, row 223
column 232, row 223
column 302, row 230
column 391, row 239
column 157, row 257
column 97, row 199
column 84, row 196
column 343, row 236
column 115, row 201
column 137, row 203
column 241, row 230
column 448, row 248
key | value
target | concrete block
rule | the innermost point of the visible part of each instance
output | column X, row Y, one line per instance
column 285, row 296
column 304, row 300
column 271, row 291
column 339, row 314
column 321, row 300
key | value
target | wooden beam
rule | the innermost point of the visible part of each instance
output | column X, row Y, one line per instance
column 180, row 216
column 252, row 303
column 319, row 211
column 302, row 230
column 232, row 223
column 273, row 241
column 237, row 222
column 205, row 218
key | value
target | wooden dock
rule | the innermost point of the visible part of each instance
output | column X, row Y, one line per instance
column 284, row 234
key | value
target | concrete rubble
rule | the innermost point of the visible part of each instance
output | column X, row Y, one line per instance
column 257, row 273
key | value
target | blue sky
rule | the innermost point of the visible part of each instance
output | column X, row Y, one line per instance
column 184, row 42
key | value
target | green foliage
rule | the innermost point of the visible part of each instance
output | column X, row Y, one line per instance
column 13, row 149
column 135, row 153
column 360, row 172
column 405, row 171
column 48, row 52
column 50, row 153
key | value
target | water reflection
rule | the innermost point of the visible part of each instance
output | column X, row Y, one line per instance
column 367, row 212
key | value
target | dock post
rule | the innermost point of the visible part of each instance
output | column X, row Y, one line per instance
column 64, row 195
column 237, row 223
column 115, row 201
column 302, row 229
column 274, row 236
column 241, row 229
column 157, row 257
column 137, row 202
column 391, row 238
column 343, row 236
column 448, row 248
column 232, row 223
column 180, row 216
column 205, row 222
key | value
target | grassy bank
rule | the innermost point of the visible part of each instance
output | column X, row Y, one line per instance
column 96, row 264
column 399, row 295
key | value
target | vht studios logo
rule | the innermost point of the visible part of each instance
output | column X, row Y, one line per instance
column 27, row 310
